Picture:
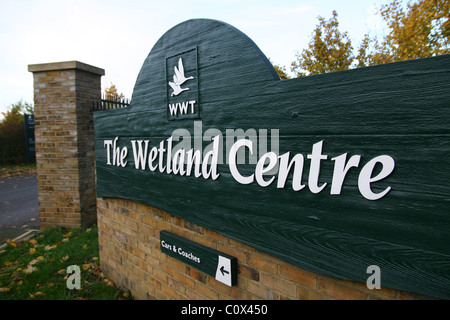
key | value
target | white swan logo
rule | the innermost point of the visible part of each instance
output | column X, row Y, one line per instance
column 178, row 79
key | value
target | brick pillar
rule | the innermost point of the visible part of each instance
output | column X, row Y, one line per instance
column 65, row 145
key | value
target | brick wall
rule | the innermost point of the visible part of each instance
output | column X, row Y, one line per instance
column 130, row 255
column 65, row 146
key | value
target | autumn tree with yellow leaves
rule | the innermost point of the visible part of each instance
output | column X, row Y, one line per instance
column 111, row 93
column 329, row 50
column 417, row 29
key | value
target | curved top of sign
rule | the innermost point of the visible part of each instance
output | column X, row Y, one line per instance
column 216, row 57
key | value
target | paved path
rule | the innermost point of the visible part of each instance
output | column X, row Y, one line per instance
column 18, row 205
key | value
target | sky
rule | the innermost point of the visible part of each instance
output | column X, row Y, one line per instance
column 117, row 35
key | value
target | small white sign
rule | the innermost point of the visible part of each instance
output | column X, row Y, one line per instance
column 223, row 272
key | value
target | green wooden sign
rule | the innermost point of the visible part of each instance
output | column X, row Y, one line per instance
column 221, row 266
column 332, row 173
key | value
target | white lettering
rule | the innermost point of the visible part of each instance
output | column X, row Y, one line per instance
column 340, row 171
column 298, row 161
column 314, row 170
column 183, row 107
column 173, row 109
column 178, row 162
column 140, row 156
column 365, row 176
column 108, row 144
column 232, row 161
column 152, row 157
column 261, row 170
column 212, row 155
column 118, row 155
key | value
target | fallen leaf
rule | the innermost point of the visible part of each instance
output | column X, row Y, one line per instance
column 85, row 247
column 32, row 250
column 30, row 269
column 33, row 241
column 39, row 294
column 33, row 262
column 31, row 296
column 86, row 266
column 5, row 289
column 67, row 234
column 61, row 271
column 49, row 247
column 64, row 258
column 9, row 264
column 108, row 282
column 13, row 244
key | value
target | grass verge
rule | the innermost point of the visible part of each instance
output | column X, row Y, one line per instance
column 37, row 268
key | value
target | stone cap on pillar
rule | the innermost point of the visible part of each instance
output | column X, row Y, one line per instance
column 65, row 65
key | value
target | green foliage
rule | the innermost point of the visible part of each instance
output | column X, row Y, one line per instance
column 16, row 112
column 329, row 50
column 417, row 29
column 422, row 30
column 12, row 133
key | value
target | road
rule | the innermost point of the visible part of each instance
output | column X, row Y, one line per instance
column 18, row 205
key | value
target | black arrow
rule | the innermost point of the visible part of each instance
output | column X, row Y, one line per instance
column 222, row 269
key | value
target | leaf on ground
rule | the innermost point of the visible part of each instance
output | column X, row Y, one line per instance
column 86, row 266
column 108, row 282
column 49, row 247
column 30, row 269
